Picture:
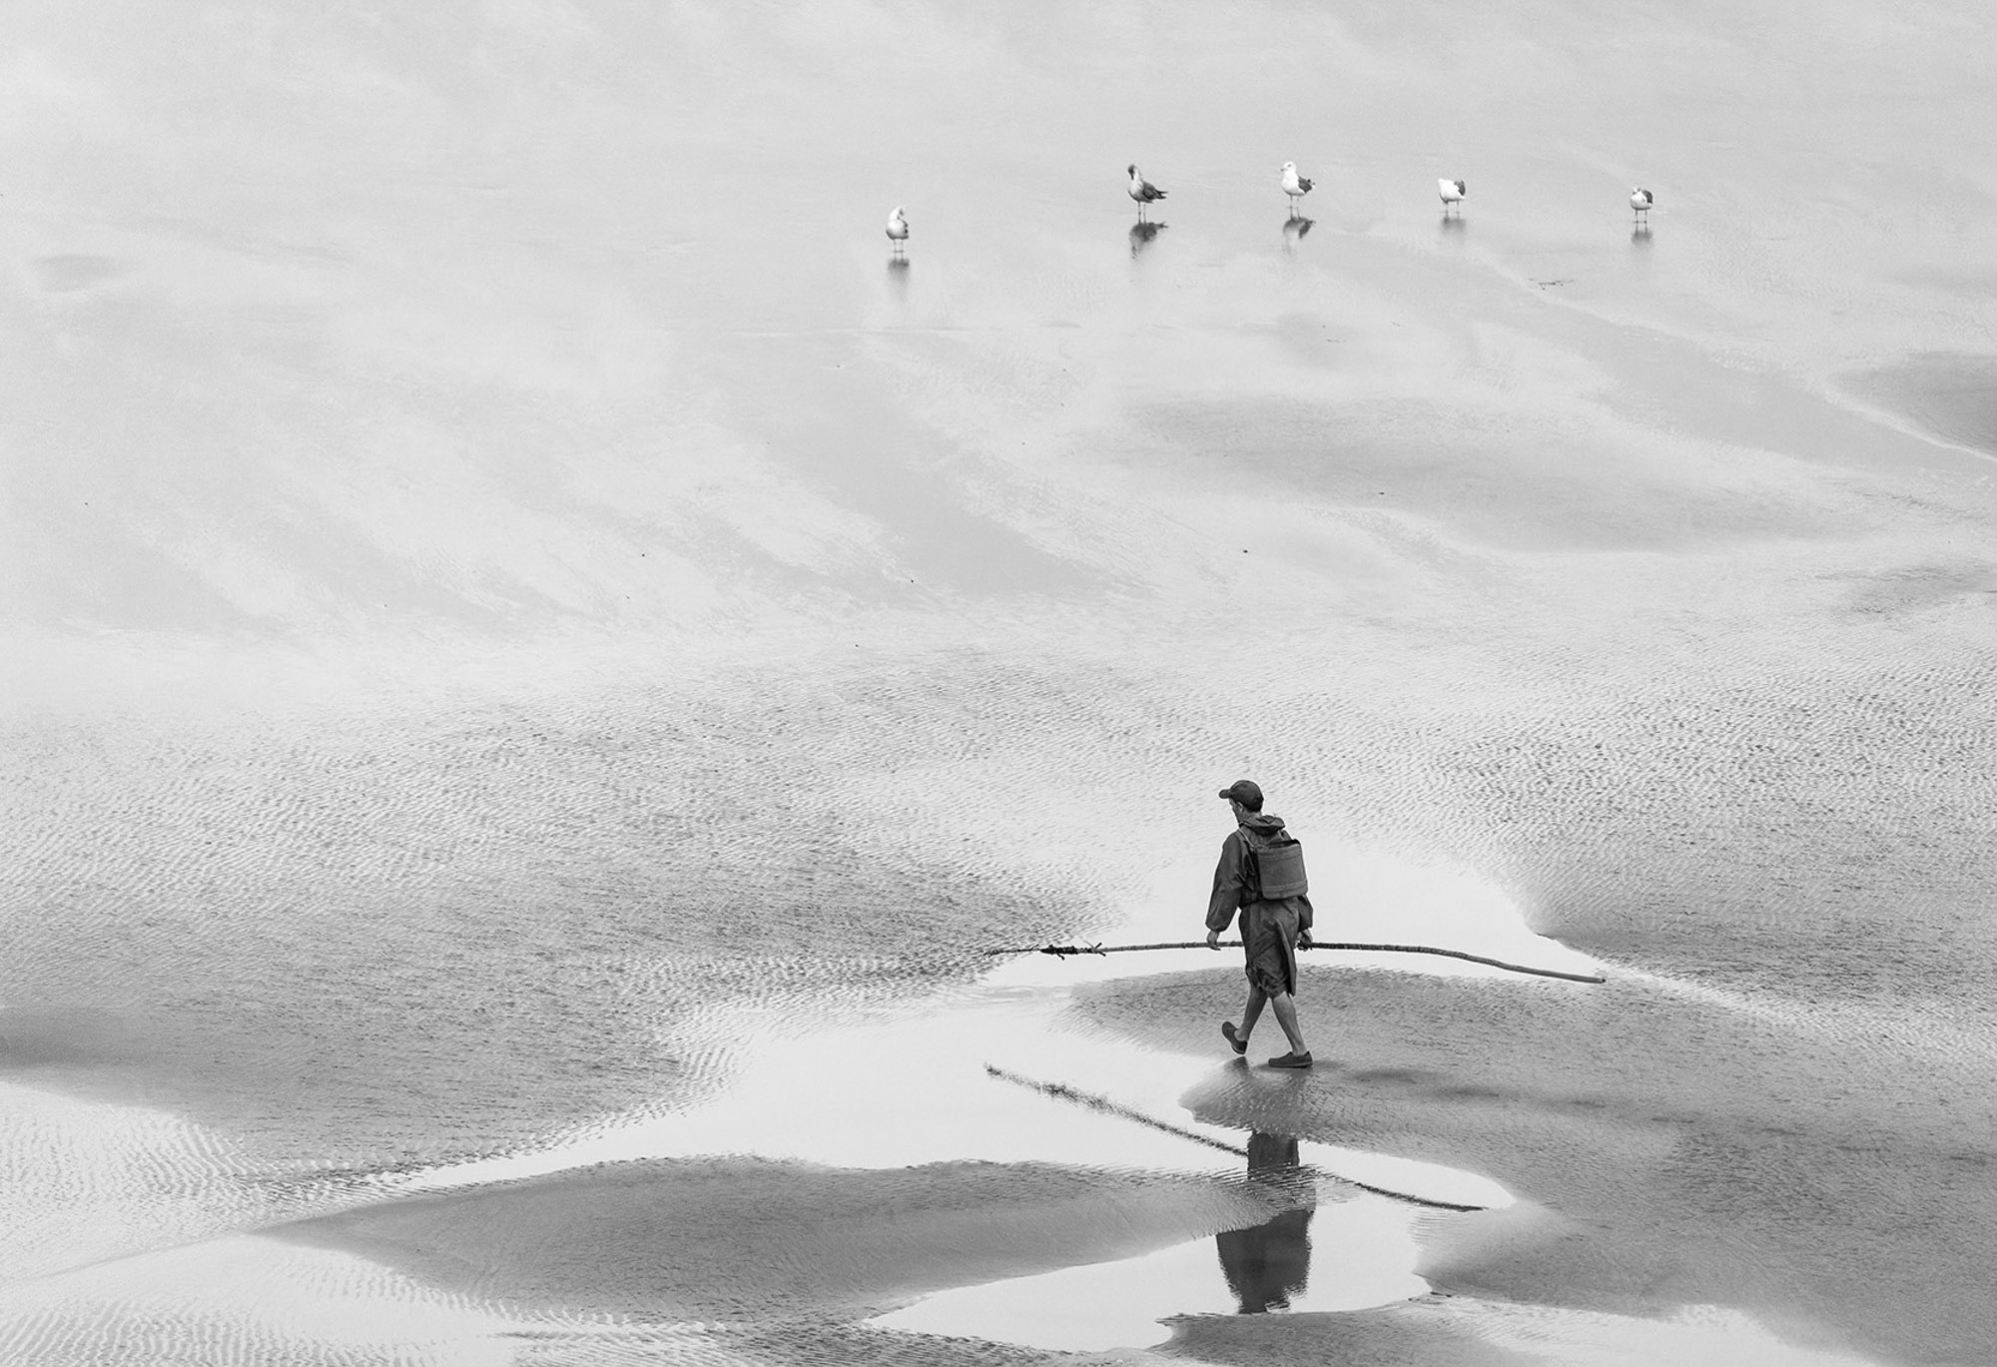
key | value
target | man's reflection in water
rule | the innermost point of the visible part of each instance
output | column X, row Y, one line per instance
column 1268, row 1263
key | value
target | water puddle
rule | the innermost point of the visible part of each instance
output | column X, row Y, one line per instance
column 1335, row 1254
column 993, row 1078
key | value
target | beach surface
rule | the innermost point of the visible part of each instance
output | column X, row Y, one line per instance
column 537, row 660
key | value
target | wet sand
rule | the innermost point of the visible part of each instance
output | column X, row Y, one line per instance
column 534, row 662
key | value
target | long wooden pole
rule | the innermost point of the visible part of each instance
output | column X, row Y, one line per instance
column 1063, row 951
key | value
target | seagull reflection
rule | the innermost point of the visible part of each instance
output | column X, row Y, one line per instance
column 1141, row 233
column 1294, row 229
column 1269, row 1263
column 1639, row 236
column 898, row 276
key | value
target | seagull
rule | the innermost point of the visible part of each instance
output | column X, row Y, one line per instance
column 897, row 228
column 1294, row 185
column 1640, row 200
column 1452, row 192
column 1143, row 191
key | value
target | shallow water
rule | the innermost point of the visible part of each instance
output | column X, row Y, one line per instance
column 529, row 644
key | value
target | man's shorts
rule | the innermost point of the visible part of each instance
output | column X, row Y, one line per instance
column 1269, row 943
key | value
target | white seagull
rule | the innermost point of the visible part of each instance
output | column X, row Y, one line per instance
column 1143, row 191
column 1452, row 192
column 1640, row 200
column 897, row 228
column 1294, row 185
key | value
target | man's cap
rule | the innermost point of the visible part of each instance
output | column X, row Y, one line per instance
column 1245, row 792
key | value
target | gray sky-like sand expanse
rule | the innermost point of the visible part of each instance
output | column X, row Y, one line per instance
column 534, row 661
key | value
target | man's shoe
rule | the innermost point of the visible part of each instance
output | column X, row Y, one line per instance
column 1238, row 1043
column 1291, row 1060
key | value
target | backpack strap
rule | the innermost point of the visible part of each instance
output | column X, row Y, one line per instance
column 1251, row 866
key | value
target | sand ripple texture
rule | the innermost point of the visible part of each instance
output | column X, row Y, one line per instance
column 244, row 1301
column 424, row 940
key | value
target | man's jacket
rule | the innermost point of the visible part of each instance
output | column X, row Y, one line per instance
column 1231, row 889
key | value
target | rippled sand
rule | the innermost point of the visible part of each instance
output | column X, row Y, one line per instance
column 534, row 664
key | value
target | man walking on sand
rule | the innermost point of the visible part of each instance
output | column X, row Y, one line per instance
column 1272, row 926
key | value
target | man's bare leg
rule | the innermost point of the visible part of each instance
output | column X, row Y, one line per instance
column 1253, row 1011
column 1285, row 1007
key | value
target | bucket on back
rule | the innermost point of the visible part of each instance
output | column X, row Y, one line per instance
column 1279, row 868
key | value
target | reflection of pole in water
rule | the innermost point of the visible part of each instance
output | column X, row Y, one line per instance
column 1266, row 1264
column 1102, row 1103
